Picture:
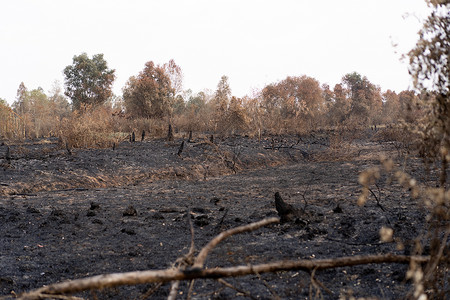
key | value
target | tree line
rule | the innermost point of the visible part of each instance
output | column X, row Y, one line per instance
column 292, row 105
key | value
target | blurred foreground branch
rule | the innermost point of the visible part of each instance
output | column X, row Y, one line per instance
column 141, row 277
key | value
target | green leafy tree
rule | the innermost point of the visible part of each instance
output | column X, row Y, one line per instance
column 88, row 81
column 195, row 102
column 41, row 114
column 179, row 105
column 366, row 100
column 21, row 105
column 150, row 94
column 33, row 107
column 340, row 108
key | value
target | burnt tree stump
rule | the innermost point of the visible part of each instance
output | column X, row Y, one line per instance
column 180, row 150
column 170, row 133
column 68, row 148
column 8, row 154
column 286, row 212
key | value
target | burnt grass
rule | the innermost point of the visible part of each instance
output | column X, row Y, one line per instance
column 96, row 211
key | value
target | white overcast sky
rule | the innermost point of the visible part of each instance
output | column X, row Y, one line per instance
column 254, row 43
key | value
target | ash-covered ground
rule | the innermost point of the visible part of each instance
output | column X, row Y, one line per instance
column 97, row 211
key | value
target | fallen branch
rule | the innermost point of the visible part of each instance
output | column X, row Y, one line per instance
column 142, row 277
column 201, row 257
column 239, row 290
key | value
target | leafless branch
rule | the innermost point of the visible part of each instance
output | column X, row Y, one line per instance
column 201, row 257
column 435, row 259
column 229, row 285
column 271, row 290
column 191, row 289
column 184, row 261
column 151, row 291
column 173, row 290
column 150, row 276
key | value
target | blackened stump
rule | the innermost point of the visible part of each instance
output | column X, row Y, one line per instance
column 180, row 150
column 170, row 133
column 286, row 211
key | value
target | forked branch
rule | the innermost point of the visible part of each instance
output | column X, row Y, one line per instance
column 201, row 257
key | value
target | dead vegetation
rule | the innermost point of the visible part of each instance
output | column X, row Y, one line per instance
column 428, row 259
column 222, row 153
column 328, row 125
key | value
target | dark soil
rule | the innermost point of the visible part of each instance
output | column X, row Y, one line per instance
column 66, row 216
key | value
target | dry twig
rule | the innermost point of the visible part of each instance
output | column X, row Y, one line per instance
column 237, row 289
column 201, row 257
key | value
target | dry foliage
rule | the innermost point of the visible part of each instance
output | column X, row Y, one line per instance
column 430, row 281
column 11, row 124
column 404, row 140
column 296, row 105
column 89, row 128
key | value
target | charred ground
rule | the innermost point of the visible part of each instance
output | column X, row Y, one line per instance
column 71, row 215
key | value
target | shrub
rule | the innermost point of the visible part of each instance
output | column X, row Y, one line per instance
column 89, row 128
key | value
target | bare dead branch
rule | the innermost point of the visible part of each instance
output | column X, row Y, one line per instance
column 190, row 255
column 184, row 261
column 191, row 289
column 191, row 228
column 378, row 201
column 318, row 284
column 173, row 290
column 187, row 260
column 237, row 289
column 151, row 291
column 160, row 276
column 435, row 260
column 201, row 257
column 271, row 290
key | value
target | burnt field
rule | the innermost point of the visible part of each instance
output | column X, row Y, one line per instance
column 79, row 213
